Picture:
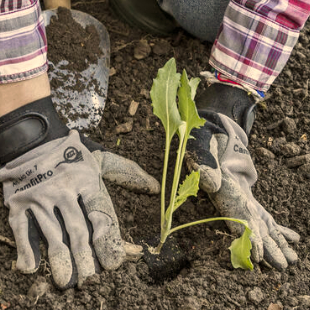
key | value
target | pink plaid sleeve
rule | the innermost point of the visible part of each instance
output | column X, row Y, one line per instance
column 256, row 39
column 23, row 45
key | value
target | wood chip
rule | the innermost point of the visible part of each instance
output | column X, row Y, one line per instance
column 133, row 108
column 142, row 50
column 274, row 125
column 7, row 241
column 145, row 93
column 112, row 71
column 124, row 128
column 148, row 123
column 263, row 152
column 5, row 305
column 133, row 251
column 303, row 138
column 304, row 300
column 13, row 266
column 274, row 307
column 298, row 161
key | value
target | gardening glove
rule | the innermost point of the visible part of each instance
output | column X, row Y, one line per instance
column 227, row 172
column 52, row 184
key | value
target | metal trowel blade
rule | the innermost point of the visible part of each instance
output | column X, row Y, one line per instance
column 81, row 109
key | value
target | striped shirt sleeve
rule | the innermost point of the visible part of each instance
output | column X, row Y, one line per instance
column 256, row 39
column 23, row 45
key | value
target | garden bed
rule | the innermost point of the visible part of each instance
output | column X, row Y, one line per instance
column 210, row 282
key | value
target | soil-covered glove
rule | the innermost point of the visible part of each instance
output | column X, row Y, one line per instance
column 54, row 190
column 227, row 171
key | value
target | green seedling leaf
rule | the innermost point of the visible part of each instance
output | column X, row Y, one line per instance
column 163, row 95
column 182, row 130
column 181, row 119
column 189, row 187
column 240, row 250
column 187, row 105
column 193, row 83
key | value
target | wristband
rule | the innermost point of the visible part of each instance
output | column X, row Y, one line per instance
column 28, row 127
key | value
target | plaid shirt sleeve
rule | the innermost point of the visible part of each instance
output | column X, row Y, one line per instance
column 23, row 45
column 256, row 39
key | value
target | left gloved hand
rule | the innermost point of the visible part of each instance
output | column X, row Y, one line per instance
column 227, row 172
column 52, row 184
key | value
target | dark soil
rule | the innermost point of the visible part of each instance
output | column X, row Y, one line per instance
column 210, row 282
column 66, row 37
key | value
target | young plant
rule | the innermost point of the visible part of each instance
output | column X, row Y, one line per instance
column 180, row 118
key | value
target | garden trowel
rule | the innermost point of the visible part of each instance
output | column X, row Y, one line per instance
column 81, row 109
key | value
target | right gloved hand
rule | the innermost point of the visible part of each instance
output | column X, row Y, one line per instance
column 227, row 172
column 55, row 192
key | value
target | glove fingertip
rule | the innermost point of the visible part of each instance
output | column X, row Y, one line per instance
column 156, row 187
column 273, row 254
column 290, row 255
column 28, row 264
column 147, row 184
column 62, row 270
column 110, row 252
column 289, row 234
column 210, row 179
column 26, row 270
column 85, row 265
column 278, row 264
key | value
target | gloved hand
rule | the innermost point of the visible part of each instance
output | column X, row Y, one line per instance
column 54, row 190
column 227, row 171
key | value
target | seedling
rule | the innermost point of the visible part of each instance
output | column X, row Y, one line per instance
column 180, row 118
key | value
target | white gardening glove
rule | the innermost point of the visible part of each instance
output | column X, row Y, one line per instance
column 227, row 174
column 52, row 191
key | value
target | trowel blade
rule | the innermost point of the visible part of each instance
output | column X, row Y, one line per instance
column 82, row 109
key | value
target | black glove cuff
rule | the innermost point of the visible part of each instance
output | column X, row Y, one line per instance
column 230, row 101
column 28, row 127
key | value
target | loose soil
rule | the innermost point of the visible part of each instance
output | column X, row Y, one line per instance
column 66, row 37
column 282, row 127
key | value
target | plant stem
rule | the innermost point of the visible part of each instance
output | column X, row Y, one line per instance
column 158, row 248
column 163, row 184
column 243, row 222
column 176, row 177
column 181, row 163
column 171, row 208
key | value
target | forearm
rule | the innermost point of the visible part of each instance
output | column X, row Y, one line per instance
column 18, row 94
column 256, row 39
column 23, row 45
column 23, row 48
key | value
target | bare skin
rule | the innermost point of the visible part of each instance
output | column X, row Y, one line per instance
column 53, row 4
column 18, row 94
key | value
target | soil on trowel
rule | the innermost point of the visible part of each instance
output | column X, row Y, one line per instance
column 280, row 135
column 73, row 48
column 68, row 40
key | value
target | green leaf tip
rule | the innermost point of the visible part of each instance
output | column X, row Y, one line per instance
column 241, row 250
column 187, row 107
column 194, row 82
column 163, row 94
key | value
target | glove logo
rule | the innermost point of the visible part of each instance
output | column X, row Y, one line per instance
column 35, row 181
column 241, row 150
column 71, row 155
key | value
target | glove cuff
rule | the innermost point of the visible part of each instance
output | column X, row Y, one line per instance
column 28, row 127
column 230, row 101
